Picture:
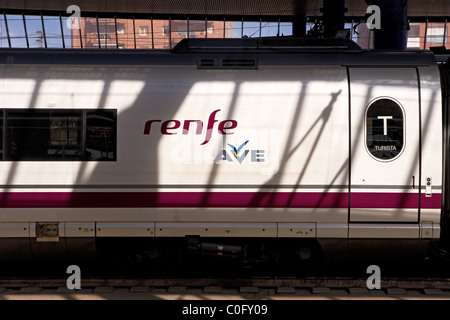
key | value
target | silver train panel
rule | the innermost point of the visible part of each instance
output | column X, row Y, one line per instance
column 281, row 151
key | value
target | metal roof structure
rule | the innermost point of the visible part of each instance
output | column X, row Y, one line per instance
column 212, row 8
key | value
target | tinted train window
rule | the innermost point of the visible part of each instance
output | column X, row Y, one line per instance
column 39, row 135
column 100, row 135
column 384, row 129
column 42, row 135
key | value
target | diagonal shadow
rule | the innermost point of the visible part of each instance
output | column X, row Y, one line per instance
column 323, row 118
column 215, row 168
column 259, row 197
column 15, row 164
column 403, row 200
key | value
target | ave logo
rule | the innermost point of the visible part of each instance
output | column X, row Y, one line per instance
column 239, row 154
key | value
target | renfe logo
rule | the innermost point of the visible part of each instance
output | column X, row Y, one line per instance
column 170, row 127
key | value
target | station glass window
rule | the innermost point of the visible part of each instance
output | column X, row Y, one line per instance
column 384, row 129
column 437, row 35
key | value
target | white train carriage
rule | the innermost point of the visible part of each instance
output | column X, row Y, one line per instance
column 230, row 141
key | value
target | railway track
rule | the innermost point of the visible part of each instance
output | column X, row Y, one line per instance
column 230, row 298
column 200, row 280
column 240, row 288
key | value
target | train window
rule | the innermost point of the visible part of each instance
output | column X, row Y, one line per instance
column 100, row 135
column 44, row 135
column 58, row 135
column 385, row 129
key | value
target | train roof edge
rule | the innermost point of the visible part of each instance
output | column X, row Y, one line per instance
column 295, row 51
column 264, row 44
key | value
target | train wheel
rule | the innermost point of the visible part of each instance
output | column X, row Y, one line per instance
column 304, row 257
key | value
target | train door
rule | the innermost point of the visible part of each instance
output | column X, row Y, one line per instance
column 384, row 146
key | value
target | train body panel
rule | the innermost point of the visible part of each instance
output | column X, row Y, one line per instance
column 299, row 146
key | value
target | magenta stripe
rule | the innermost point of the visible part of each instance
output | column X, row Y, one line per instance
column 214, row 200
column 394, row 201
column 171, row 199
